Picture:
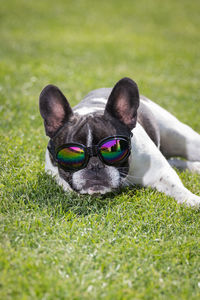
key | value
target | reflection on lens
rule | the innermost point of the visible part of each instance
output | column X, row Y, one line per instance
column 71, row 157
column 114, row 151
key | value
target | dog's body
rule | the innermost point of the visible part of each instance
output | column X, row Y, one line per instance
column 157, row 136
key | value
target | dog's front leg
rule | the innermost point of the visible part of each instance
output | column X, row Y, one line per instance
column 149, row 167
column 169, row 183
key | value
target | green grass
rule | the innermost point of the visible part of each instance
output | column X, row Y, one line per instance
column 135, row 245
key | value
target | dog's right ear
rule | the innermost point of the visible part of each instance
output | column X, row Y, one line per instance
column 54, row 109
column 123, row 102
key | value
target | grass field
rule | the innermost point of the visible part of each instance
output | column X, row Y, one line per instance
column 135, row 245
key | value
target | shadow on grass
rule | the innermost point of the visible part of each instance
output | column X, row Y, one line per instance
column 45, row 193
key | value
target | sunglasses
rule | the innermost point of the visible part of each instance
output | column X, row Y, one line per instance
column 74, row 156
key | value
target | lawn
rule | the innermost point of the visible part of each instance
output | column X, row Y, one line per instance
column 138, row 244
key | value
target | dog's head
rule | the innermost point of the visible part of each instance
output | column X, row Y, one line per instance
column 63, row 126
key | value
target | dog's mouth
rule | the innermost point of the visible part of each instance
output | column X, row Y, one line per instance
column 95, row 186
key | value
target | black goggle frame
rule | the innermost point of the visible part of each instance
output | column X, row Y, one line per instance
column 89, row 151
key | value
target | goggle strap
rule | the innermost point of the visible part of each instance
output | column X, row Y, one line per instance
column 51, row 149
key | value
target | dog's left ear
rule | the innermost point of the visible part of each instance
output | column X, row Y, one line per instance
column 54, row 109
column 123, row 102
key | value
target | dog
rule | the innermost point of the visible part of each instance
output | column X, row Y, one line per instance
column 115, row 138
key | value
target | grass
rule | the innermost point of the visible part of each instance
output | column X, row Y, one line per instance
column 135, row 245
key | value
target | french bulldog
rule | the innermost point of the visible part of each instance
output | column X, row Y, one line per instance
column 115, row 138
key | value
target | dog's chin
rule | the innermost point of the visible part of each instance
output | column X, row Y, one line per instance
column 95, row 190
column 93, row 187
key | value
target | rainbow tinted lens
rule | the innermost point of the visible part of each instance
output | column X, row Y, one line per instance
column 114, row 151
column 71, row 157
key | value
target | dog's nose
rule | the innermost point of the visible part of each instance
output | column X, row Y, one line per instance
column 95, row 164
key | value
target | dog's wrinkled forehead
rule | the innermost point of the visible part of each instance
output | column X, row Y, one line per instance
column 88, row 130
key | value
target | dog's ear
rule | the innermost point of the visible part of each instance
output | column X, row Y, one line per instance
column 123, row 102
column 54, row 109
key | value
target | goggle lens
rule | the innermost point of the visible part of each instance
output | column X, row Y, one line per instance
column 71, row 157
column 114, row 151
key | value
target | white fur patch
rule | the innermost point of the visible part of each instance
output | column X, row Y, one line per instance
column 89, row 136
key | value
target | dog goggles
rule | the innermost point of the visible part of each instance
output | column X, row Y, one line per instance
column 74, row 156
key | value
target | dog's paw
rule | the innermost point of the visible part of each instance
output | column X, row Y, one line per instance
column 193, row 201
column 194, row 167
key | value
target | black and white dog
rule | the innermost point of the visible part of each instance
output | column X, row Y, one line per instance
column 114, row 138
